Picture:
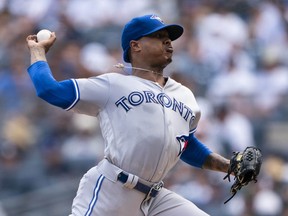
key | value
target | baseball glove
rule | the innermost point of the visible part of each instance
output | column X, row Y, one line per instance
column 245, row 166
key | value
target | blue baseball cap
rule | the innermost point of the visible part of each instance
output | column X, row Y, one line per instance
column 143, row 26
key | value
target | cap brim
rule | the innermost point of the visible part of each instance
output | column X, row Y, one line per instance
column 174, row 31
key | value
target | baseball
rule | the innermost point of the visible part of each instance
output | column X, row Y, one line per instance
column 43, row 34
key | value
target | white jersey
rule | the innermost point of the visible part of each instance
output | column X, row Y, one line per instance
column 140, row 120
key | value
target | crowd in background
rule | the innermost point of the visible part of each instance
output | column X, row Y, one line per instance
column 233, row 56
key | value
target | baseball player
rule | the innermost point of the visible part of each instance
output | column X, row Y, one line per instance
column 147, row 121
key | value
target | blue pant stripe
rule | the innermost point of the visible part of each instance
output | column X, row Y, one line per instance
column 95, row 195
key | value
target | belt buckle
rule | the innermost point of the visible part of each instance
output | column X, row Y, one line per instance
column 154, row 190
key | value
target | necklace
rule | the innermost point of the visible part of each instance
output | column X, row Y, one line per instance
column 122, row 66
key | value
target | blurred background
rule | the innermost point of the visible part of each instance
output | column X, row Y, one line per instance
column 233, row 56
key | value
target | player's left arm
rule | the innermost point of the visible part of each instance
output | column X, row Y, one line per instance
column 216, row 162
column 198, row 155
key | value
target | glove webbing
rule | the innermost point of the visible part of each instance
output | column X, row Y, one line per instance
column 249, row 176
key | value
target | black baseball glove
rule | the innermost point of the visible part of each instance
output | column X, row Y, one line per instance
column 245, row 166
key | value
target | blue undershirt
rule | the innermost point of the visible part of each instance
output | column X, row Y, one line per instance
column 61, row 94
column 195, row 153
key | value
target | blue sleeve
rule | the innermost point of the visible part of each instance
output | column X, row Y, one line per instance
column 195, row 153
column 62, row 94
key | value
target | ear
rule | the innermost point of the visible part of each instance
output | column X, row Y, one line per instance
column 135, row 46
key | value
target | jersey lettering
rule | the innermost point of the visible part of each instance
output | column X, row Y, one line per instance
column 123, row 104
column 136, row 98
column 164, row 100
column 179, row 106
column 150, row 97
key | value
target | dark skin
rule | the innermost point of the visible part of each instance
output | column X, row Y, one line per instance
column 153, row 52
column 217, row 163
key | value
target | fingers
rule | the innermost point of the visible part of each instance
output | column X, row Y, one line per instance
column 52, row 37
column 31, row 40
column 31, row 37
column 45, row 44
column 51, row 40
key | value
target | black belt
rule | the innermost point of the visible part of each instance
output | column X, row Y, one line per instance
column 149, row 191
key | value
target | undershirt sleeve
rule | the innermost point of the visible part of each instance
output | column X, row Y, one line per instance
column 62, row 94
column 195, row 153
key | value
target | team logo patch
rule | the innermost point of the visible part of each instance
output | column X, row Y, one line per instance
column 183, row 142
column 157, row 18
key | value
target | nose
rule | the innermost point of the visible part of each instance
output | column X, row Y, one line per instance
column 167, row 41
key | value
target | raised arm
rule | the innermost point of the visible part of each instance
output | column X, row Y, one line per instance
column 62, row 94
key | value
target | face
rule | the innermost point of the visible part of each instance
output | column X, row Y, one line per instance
column 156, row 49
